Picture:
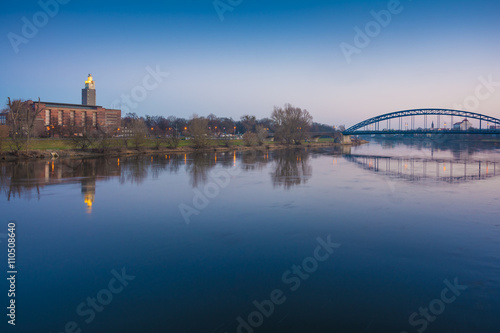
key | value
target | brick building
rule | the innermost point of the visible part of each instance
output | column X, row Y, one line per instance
column 78, row 116
column 3, row 118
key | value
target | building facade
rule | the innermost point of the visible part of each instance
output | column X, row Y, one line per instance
column 72, row 119
column 77, row 116
column 464, row 125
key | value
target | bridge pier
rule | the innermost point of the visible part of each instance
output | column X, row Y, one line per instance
column 346, row 140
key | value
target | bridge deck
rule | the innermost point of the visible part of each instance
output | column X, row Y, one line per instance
column 429, row 131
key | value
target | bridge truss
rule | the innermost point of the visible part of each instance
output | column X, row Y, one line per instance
column 420, row 112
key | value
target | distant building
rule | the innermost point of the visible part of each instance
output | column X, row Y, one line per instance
column 464, row 125
column 77, row 116
column 62, row 119
column 88, row 93
column 4, row 129
column 70, row 119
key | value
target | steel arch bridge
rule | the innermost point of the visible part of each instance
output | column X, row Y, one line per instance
column 422, row 112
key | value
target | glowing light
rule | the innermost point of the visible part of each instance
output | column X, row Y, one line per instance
column 89, row 202
column 118, row 162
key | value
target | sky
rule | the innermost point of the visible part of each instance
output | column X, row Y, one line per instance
column 343, row 61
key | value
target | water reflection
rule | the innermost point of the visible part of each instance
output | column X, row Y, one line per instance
column 291, row 167
column 287, row 168
column 427, row 169
column 460, row 149
column 27, row 178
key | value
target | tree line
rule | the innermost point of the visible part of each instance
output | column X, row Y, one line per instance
column 287, row 124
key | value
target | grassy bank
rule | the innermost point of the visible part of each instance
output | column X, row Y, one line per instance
column 44, row 148
column 66, row 144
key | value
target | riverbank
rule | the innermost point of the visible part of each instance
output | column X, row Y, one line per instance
column 65, row 152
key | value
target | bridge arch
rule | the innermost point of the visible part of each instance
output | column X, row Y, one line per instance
column 420, row 112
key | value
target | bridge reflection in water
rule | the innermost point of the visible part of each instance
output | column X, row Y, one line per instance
column 427, row 169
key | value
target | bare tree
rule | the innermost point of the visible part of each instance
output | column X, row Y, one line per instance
column 250, row 139
column 14, row 119
column 139, row 130
column 84, row 140
column 102, row 141
column 249, row 122
column 291, row 123
column 198, row 130
column 22, row 119
column 261, row 134
column 173, row 139
column 4, row 132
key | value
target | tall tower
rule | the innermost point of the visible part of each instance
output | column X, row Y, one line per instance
column 88, row 94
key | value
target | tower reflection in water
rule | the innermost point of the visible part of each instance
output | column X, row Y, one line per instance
column 287, row 169
column 26, row 178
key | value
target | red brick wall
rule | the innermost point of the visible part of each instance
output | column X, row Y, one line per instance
column 4, row 131
column 108, row 119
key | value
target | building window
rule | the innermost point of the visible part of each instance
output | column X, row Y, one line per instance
column 72, row 118
column 60, row 117
column 3, row 120
column 84, row 115
column 94, row 119
column 47, row 117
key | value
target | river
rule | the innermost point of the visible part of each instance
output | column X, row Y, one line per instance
column 384, row 237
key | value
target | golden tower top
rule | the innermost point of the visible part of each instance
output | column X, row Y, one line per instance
column 90, row 84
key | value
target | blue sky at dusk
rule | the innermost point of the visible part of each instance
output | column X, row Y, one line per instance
column 264, row 53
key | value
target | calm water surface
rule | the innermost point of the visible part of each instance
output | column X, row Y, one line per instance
column 378, row 238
